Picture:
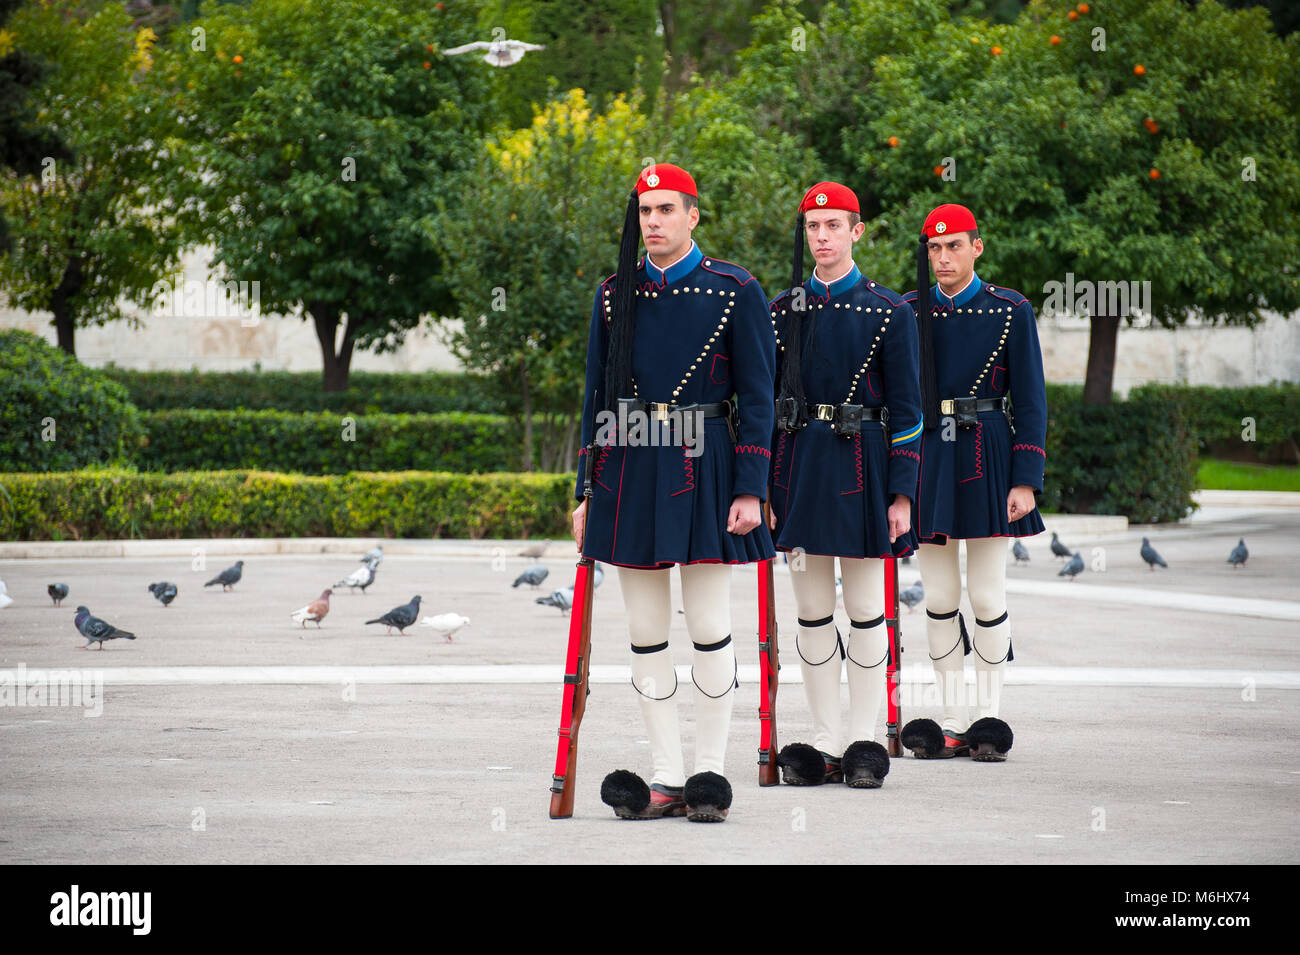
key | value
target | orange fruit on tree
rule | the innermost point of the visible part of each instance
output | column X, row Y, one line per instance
column 996, row 50
column 938, row 170
column 1082, row 8
column 428, row 48
column 236, row 59
column 893, row 140
column 1139, row 70
column 1072, row 15
column 1054, row 40
column 428, row 65
column 1154, row 174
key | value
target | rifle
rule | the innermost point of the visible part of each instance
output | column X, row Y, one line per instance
column 768, row 665
column 576, row 666
column 894, row 708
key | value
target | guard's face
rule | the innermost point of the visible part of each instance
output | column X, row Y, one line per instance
column 831, row 238
column 666, row 225
column 953, row 259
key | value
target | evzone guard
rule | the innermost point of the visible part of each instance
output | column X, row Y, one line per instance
column 982, row 458
column 680, row 342
column 844, row 470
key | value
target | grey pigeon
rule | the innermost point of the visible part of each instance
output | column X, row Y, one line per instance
column 535, row 550
column 96, row 630
column 1073, row 568
column 1059, row 549
column 1239, row 554
column 1150, row 556
column 1020, row 552
column 164, row 591
column 562, row 600
column 362, row 577
column 57, row 592
column 228, row 577
column 375, row 556
column 400, row 617
column 533, row 576
column 912, row 596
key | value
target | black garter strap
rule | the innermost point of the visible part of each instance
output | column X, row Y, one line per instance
column 867, row 624
column 651, row 649
column 990, row 623
column 816, row 623
column 712, row 646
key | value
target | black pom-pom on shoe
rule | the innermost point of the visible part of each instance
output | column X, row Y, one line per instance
column 627, row 793
column 708, row 797
column 801, row 765
column 924, row 738
column 865, row 764
column 989, row 740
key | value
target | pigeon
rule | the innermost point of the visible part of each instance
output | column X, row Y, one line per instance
column 562, row 600
column 447, row 623
column 1150, row 556
column 1059, row 549
column 57, row 592
column 5, row 599
column 1021, row 552
column 314, row 611
column 375, row 556
column 912, row 596
column 164, row 591
column 535, row 550
column 1073, row 568
column 400, row 617
column 597, row 576
column 96, row 630
column 533, row 576
column 362, row 577
column 228, row 577
column 1239, row 554
column 499, row 52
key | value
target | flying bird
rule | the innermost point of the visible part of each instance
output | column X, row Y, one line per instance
column 1150, row 556
column 96, row 630
column 314, row 611
column 562, row 600
column 400, row 617
column 362, row 577
column 1239, row 554
column 445, row 623
column 1073, row 568
column 912, row 596
column 164, row 591
column 499, row 52
column 375, row 556
column 228, row 577
column 1059, row 549
column 1020, row 552
column 533, row 576
column 57, row 592
column 535, row 550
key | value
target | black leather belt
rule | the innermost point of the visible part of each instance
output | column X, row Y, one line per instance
column 845, row 419
column 966, row 410
column 662, row 410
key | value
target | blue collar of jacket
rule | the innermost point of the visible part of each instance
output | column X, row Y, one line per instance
column 841, row 285
column 678, row 270
column 962, row 297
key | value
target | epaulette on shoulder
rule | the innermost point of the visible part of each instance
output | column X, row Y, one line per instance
column 887, row 295
column 609, row 282
column 1007, row 295
column 780, row 300
column 910, row 298
column 730, row 269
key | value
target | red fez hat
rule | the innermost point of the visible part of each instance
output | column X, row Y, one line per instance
column 665, row 175
column 947, row 218
column 829, row 195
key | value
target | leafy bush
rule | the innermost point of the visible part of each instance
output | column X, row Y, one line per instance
column 1217, row 416
column 58, row 414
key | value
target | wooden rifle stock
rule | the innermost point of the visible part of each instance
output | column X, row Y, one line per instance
column 893, row 670
column 576, row 665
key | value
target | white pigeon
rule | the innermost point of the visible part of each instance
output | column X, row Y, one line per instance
column 376, row 556
column 5, row 599
column 446, row 623
column 499, row 52
column 362, row 577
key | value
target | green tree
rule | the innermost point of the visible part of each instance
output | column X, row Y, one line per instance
column 323, row 134
column 94, row 229
column 532, row 231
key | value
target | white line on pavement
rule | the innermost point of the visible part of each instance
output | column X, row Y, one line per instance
column 1172, row 599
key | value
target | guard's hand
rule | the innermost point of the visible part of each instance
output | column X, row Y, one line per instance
column 744, row 515
column 771, row 514
column 900, row 517
column 579, row 519
column 1020, row 502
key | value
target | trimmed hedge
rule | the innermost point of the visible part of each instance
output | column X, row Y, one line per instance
column 317, row 443
column 430, row 392
column 1136, row 458
column 117, row 504
column 47, row 393
column 1217, row 414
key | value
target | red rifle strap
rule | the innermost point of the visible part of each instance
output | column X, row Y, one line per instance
column 894, row 710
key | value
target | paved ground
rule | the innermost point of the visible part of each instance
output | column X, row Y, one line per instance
column 187, row 765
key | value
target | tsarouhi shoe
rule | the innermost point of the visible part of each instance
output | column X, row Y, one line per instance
column 708, row 797
column 866, row 764
column 927, row 741
column 803, row 765
column 630, row 797
column 989, row 740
